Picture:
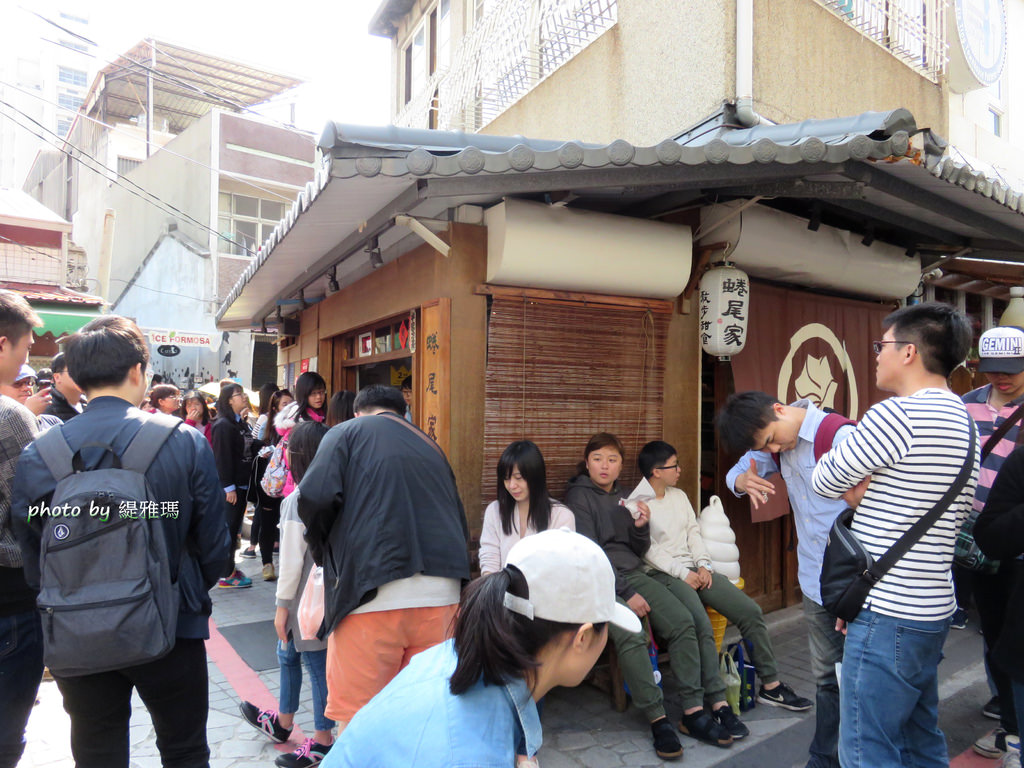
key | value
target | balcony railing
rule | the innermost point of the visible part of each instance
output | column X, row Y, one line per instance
column 913, row 31
column 512, row 48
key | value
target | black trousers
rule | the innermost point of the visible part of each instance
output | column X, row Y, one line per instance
column 174, row 689
column 234, row 514
column 991, row 595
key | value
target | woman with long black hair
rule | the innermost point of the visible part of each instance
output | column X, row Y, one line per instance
column 523, row 506
column 311, row 395
column 539, row 622
column 232, row 449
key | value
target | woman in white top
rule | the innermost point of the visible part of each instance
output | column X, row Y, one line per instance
column 523, row 506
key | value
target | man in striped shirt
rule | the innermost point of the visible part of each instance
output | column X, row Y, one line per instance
column 904, row 455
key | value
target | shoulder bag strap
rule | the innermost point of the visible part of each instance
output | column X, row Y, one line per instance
column 999, row 434
column 55, row 452
column 878, row 569
column 146, row 443
column 416, row 430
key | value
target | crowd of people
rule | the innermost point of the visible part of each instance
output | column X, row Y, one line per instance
column 412, row 662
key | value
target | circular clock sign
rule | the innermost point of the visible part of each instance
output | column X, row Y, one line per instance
column 981, row 27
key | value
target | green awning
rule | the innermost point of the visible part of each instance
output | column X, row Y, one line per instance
column 60, row 323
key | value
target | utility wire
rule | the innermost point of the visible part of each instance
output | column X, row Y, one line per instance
column 102, row 170
column 115, row 129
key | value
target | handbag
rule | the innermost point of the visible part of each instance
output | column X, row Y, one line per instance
column 967, row 554
column 311, row 604
column 848, row 572
column 731, row 677
column 742, row 653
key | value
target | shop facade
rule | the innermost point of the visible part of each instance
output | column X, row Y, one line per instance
column 547, row 290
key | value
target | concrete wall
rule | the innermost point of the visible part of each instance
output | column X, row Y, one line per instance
column 162, row 298
column 669, row 63
column 808, row 63
column 175, row 180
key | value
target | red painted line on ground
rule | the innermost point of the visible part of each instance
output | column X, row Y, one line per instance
column 971, row 759
column 246, row 683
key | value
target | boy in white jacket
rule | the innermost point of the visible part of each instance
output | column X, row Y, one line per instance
column 679, row 559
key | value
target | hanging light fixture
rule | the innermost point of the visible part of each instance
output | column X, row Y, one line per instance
column 724, row 310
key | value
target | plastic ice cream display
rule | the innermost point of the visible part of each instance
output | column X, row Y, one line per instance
column 720, row 540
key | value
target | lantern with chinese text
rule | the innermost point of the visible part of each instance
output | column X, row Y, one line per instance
column 724, row 305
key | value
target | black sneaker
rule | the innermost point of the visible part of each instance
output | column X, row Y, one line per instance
column 703, row 727
column 991, row 710
column 310, row 753
column 264, row 720
column 728, row 720
column 783, row 696
column 959, row 619
column 666, row 743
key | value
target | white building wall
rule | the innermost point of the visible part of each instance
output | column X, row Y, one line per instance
column 30, row 60
column 971, row 119
column 161, row 297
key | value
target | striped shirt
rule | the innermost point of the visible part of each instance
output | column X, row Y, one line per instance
column 913, row 448
column 989, row 419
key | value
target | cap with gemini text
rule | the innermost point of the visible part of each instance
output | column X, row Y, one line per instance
column 1001, row 350
column 570, row 580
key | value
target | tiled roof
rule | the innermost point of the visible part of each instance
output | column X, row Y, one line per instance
column 881, row 152
column 35, row 292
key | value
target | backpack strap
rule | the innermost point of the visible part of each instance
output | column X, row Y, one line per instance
column 55, row 452
column 827, row 431
column 143, row 448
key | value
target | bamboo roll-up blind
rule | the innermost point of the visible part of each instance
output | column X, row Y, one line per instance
column 558, row 373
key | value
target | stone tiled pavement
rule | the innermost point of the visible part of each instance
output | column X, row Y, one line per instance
column 580, row 727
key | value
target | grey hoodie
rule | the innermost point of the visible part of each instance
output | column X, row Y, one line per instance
column 599, row 517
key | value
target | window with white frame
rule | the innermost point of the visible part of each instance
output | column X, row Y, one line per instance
column 245, row 222
column 69, row 101
column 71, row 76
column 996, row 109
column 64, row 126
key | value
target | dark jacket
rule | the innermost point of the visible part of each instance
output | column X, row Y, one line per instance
column 232, row 448
column 999, row 533
column 182, row 472
column 59, row 406
column 379, row 503
column 600, row 517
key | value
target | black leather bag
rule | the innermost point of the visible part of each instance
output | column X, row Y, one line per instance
column 848, row 572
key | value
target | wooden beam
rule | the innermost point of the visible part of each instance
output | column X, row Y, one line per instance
column 573, row 297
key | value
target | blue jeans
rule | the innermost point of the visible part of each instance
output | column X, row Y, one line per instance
column 889, row 693
column 826, row 647
column 291, row 662
column 21, row 669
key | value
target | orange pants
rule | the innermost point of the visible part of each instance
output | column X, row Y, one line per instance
column 366, row 650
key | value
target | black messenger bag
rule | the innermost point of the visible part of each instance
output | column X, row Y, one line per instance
column 848, row 571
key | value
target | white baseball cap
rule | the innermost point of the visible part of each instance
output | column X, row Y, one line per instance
column 25, row 372
column 1001, row 350
column 570, row 580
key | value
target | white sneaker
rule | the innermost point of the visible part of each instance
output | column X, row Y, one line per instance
column 1012, row 759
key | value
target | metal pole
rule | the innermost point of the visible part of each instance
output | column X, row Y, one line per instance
column 149, row 98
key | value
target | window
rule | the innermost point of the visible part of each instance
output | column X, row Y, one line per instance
column 71, row 17
column 997, row 121
column 64, row 126
column 69, row 102
column 71, row 76
column 246, row 220
column 80, row 47
column 444, row 33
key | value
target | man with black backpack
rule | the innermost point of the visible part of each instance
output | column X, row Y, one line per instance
column 120, row 519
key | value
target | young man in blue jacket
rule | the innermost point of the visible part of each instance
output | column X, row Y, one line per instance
column 108, row 358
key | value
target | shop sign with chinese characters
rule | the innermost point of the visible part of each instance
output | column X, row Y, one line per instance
column 435, row 358
column 724, row 302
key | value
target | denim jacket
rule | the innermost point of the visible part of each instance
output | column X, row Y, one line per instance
column 417, row 721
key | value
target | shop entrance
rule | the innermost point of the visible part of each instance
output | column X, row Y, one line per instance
column 382, row 353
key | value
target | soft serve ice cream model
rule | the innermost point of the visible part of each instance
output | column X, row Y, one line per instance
column 720, row 540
